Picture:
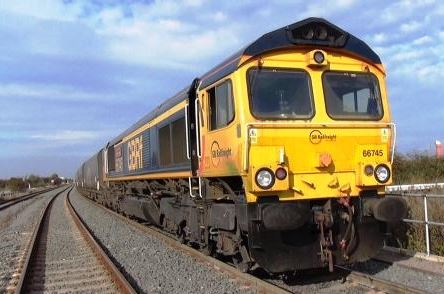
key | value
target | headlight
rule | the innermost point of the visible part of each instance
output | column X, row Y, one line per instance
column 382, row 173
column 265, row 178
column 319, row 57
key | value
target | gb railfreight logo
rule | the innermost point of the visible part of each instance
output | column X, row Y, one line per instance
column 317, row 136
column 217, row 153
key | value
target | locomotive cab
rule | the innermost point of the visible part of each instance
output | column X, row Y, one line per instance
column 323, row 132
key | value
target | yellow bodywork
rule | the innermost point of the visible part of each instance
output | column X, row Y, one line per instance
column 248, row 144
column 253, row 143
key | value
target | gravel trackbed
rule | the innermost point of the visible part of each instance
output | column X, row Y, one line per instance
column 148, row 262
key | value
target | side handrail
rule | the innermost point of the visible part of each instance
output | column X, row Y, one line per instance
column 187, row 139
column 393, row 143
column 190, row 185
column 196, row 113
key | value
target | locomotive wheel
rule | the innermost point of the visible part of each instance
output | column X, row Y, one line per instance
column 241, row 265
column 210, row 249
column 181, row 236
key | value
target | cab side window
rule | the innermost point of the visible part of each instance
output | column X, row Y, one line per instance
column 221, row 105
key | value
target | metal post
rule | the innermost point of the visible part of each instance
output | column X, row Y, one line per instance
column 426, row 222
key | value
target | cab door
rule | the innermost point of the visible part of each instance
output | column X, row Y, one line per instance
column 220, row 131
column 192, row 122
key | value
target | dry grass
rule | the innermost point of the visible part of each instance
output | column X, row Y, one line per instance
column 412, row 236
column 412, row 169
column 415, row 168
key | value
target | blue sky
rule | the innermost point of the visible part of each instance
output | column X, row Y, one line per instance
column 75, row 73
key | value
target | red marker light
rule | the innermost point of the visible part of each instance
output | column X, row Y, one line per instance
column 281, row 173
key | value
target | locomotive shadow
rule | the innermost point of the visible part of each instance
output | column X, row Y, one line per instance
column 322, row 275
column 371, row 267
column 301, row 278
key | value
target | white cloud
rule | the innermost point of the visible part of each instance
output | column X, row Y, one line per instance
column 42, row 9
column 401, row 10
column 424, row 65
column 162, row 34
column 46, row 92
column 345, row 3
column 407, row 55
column 432, row 73
column 423, row 40
column 219, row 16
column 411, row 26
column 167, row 42
column 322, row 10
column 193, row 3
column 109, row 15
column 379, row 38
column 67, row 136
column 156, row 34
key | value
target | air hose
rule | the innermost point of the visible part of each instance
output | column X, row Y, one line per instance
column 349, row 234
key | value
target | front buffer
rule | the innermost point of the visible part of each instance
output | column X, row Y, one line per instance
column 297, row 235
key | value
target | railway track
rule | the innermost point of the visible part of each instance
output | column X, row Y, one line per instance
column 376, row 283
column 11, row 202
column 17, row 224
column 351, row 279
column 62, row 256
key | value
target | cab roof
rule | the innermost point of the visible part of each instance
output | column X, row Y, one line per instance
column 310, row 32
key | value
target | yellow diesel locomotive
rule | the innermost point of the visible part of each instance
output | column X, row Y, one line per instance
column 278, row 157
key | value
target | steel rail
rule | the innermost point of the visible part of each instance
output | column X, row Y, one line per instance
column 31, row 246
column 246, row 279
column 119, row 280
column 377, row 283
column 11, row 202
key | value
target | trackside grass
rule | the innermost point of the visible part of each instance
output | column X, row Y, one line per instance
column 418, row 168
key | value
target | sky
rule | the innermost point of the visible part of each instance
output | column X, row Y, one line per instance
column 75, row 73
